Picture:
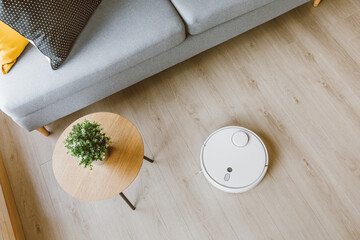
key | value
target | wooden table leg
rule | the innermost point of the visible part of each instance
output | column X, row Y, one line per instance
column 10, row 223
column 127, row 201
column 316, row 3
column 148, row 159
column 43, row 131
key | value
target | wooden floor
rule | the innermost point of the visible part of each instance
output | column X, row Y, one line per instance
column 295, row 81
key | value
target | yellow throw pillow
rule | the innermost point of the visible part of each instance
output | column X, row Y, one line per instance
column 11, row 46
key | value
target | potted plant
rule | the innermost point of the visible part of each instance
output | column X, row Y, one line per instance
column 88, row 143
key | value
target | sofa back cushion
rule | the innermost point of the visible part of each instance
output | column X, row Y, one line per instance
column 201, row 15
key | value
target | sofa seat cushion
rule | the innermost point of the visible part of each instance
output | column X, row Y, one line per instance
column 119, row 35
column 201, row 15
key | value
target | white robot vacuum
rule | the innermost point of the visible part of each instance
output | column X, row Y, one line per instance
column 234, row 159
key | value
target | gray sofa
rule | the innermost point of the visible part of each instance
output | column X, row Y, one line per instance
column 125, row 42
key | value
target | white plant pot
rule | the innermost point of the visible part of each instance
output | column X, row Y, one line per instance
column 105, row 158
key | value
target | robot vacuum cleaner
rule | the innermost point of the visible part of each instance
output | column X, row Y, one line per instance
column 234, row 159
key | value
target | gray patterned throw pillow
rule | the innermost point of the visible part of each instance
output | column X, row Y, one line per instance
column 52, row 25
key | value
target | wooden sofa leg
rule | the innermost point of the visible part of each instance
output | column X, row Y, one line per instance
column 316, row 3
column 43, row 131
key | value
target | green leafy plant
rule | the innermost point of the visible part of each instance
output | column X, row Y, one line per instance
column 87, row 142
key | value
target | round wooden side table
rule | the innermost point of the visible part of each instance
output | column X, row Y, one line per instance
column 113, row 176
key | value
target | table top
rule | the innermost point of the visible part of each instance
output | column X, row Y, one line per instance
column 110, row 178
